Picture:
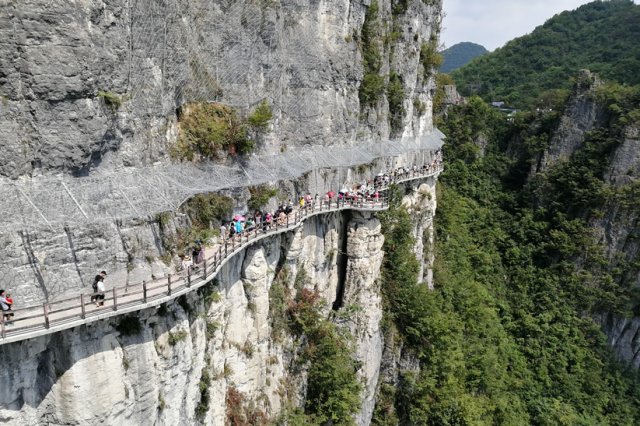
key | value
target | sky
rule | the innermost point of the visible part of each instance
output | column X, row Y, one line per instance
column 492, row 23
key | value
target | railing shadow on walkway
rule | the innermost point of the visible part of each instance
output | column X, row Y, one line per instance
column 50, row 317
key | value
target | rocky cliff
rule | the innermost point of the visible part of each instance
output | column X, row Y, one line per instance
column 92, row 88
column 96, row 85
column 587, row 112
column 182, row 362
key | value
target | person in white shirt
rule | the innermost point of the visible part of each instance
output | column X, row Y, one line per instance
column 101, row 290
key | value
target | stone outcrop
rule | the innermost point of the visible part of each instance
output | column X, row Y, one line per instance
column 582, row 114
column 92, row 87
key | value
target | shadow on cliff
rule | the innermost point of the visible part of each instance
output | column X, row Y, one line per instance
column 32, row 367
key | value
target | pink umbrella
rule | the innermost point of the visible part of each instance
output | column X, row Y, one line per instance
column 239, row 217
column 331, row 194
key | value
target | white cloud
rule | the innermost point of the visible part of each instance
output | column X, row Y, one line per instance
column 492, row 23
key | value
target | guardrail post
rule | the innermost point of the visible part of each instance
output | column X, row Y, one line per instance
column 189, row 277
column 115, row 299
column 287, row 221
column 205, row 268
column 2, row 332
column 169, row 285
column 144, row 291
column 82, row 308
column 45, row 308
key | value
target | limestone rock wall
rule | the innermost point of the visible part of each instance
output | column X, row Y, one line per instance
column 62, row 61
column 617, row 229
column 421, row 203
column 223, row 333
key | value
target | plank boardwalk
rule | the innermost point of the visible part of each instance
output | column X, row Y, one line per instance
column 51, row 317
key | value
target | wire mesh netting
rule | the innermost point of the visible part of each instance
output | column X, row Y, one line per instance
column 142, row 192
column 235, row 52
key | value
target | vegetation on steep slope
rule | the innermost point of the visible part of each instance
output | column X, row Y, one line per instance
column 206, row 129
column 507, row 337
column 460, row 54
column 601, row 36
column 325, row 351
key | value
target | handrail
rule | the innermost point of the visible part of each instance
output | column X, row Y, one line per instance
column 49, row 317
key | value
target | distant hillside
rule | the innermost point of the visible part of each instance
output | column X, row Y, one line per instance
column 460, row 54
column 602, row 36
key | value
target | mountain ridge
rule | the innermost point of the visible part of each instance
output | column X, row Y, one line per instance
column 599, row 36
column 460, row 54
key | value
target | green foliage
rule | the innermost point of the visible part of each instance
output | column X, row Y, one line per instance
column 430, row 58
column 205, row 400
column 395, row 96
column 111, row 100
column 260, row 196
column 301, row 278
column 400, row 272
column 176, row 337
column 204, row 211
column 372, row 86
column 260, row 118
column 129, row 326
column 207, row 128
column 212, row 327
column 419, row 107
column 207, row 209
column 601, row 36
column 459, row 55
column 621, row 101
column 385, row 414
column 507, row 337
column 400, row 7
column 278, row 297
column 333, row 388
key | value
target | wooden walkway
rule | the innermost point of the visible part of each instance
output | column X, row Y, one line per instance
column 33, row 321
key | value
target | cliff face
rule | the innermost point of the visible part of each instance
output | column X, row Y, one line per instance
column 617, row 228
column 95, row 85
column 92, row 87
column 221, row 341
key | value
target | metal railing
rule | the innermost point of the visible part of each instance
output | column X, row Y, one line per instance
column 49, row 317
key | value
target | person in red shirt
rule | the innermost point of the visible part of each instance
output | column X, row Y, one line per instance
column 5, row 304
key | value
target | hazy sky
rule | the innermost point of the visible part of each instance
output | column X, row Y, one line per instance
column 492, row 23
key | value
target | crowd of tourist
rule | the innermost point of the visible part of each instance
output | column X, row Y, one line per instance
column 233, row 229
column 368, row 190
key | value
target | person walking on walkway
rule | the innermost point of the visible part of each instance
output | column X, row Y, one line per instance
column 94, row 286
column 223, row 232
column 5, row 305
column 99, row 288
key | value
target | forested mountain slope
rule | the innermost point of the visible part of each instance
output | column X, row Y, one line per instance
column 601, row 36
column 527, row 265
column 460, row 54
